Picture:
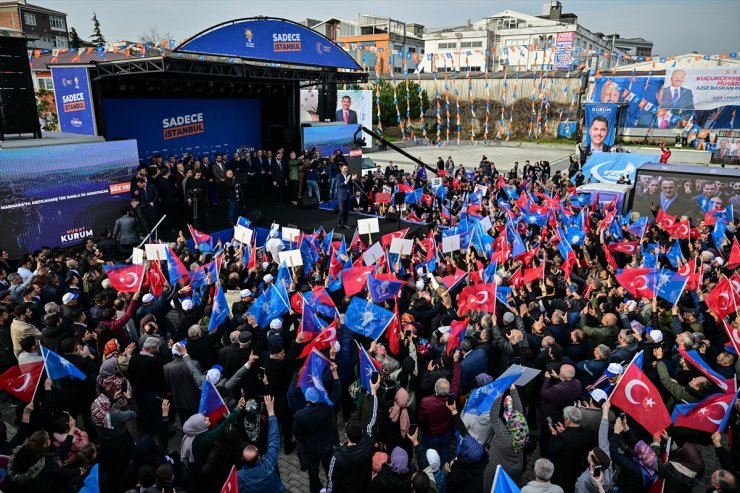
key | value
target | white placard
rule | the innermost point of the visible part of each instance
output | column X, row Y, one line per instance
column 387, row 189
column 138, row 256
column 243, row 235
column 450, row 243
column 402, row 246
column 482, row 188
column 291, row 234
column 436, row 183
column 527, row 374
column 486, row 223
column 367, row 226
column 373, row 254
column 292, row 258
column 156, row 251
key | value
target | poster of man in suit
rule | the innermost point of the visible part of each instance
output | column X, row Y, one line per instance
column 675, row 96
column 345, row 113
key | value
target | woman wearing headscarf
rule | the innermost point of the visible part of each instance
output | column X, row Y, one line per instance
column 479, row 425
column 468, row 467
column 394, row 475
column 684, row 468
column 638, row 464
column 112, row 418
column 511, row 435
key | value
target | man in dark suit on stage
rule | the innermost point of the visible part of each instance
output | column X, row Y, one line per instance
column 675, row 97
column 344, row 180
column 346, row 115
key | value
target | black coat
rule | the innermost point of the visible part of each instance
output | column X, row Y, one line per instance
column 568, row 452
column 467, row 476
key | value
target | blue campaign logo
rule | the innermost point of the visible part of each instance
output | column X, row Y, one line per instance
column 73, row 99
column 608, row 167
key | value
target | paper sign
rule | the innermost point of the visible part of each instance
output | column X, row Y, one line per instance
column 402, row 246
column 243, row 235
column 367, row 226
column 387, row 189
column 291, row 234
column 436, row 183
column 450, row 243
column 486, row 224
column 292, row 258
column 382, row 198
column 527, row 374
column 156, row 252
column 373, row 254
column 482, row 188
column 138, row 256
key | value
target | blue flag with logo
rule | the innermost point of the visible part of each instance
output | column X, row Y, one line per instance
column 674, row 254
column 309, row 255
column 580, row 200
column 608, row 167
column 367, row 366
column 220, row 309
column 270, row 305
column 481, row 399
column 670, row 285
column 366, row 318
column 383, row 289
column 58, row 367
column 311, row 375
column 639, row 226
column 718, row 233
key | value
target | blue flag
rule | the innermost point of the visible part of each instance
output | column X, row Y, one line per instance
column 483, row 243
column 638, row 227
column 616, row 231
column 670, row 285
column 575, row 236
column 674, row 254
column 326, row 247
column 481, row 399
column 311, row 375
column 383, row 289
column 366, row 318
column 283, row 275
column 309, row 256
column 535, row 219
column 220, row 311
column 718, row 233
column 511, row 193
column 270, row 305
column 92, row 481
column 414, row 197
column 367, row 366
column 243, row 221
column 58, row 367
column 501, row 292
column 502, row 482
column 211, row 404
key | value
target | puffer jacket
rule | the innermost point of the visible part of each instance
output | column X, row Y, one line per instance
column 28, row 473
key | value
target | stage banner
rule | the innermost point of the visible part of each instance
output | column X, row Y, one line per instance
column 700, row 89
column 601, row 121
column 73, row 98
column 567, row 129
column 608, row 167
column 59, row 195
column 564, row 50
column 180, row 126
column 271, row 40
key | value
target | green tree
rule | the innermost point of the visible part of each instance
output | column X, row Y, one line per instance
column 388, row 115
column 97, row 36
column 74, row 38
column 45, row 107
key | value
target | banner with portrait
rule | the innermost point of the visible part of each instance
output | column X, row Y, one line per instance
column 601, row 120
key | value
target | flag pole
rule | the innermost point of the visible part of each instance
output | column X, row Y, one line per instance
column 623, row 373
column 43, row 368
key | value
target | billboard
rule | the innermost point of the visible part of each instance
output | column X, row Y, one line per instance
column 73, row 98
column 601, row 122
column 708, row 98
column 60, row 195
column 564, row 50
column 272, row 40
column 727, row 150
column 682, row 194
column 329, row 138
column 179, row 126
column 608, row 167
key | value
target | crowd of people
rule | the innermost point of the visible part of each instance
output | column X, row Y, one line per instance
column 147, row 359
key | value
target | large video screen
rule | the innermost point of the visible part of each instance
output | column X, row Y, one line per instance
column 329, row 138
column 682, row 194
column 179, row 126
column 60, row 195
column 708, row 98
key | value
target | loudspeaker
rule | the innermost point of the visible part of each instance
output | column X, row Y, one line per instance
column 392, row 216
column 18, row 112
column 308, row 203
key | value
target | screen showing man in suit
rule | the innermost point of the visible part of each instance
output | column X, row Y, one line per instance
column 345, row 113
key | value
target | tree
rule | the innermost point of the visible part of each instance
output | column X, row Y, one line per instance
column 45, row 107
column 74, row 38
column 153, row 36
column 388, row 115
column 97, row 37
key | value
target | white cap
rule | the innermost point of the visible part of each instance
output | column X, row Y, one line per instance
column 147, row 298
column 598, row 395
column 245, row 293
column 720, row 261
column 420, row 271
column 419, row 285
column 175, row 351
column 276, row 324
column 213, row 375
column 656, row 335
column 265, row 265
column 69, row 297
column 187, row 304
column 613, row 370
column 268, row 278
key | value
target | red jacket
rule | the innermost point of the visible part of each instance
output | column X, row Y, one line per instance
column 434, row 417
column 118, row 326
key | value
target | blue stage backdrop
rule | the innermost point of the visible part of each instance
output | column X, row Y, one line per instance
column 60, row 195
column 179, row 126
column 74, row 100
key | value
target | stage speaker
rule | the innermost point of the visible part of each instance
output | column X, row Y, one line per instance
column 308, row 203
column 392, row 216
column 18, row 113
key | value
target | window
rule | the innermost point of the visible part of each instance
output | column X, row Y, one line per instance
column 57, row 23
column 471, row 44
column 46, row 83
column 443, row 46
column 29, row 18
column 60, row 41
column 412, row 49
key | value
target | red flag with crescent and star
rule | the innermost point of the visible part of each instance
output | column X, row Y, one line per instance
column 480, row 297
column 21, row 381
column 232, row 484
column 636, row 395
column 156, row 278
column 721, row 300
column 125, row 278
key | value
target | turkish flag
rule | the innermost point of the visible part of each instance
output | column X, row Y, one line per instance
column 568, row 264
column 733, row 335
column 156, row 278
column 386, row 240
column 480, row 297
column 393, row 331
column 296, row 302
column 232, row 484
column 665, row 220
column 534, row 274
column 322, row 341
column 636, row 281
column 628, row 247
column 335, row 265
column 610, row 259
column 21, row 381
column 734, row 259
column 126, row 278
column 636, row 395
column 680, row 230
column 355, row 279
column 706, row 415
column 528, row 255
column 252, row 262
column 456, row 335
column 516, row 279
column 721, row 300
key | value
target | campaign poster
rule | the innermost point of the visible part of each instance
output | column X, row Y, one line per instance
column 700, row 89
column 567, row 129
column 608, row 167
column 60, row 195
column 181, row 126
column 73, row 98
column 564, row 50
column 601, row 120
column 355, row 107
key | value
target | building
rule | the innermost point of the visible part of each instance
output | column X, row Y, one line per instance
column 634, row 46
column 46, row 28
column 381, row 44
column 458, row 48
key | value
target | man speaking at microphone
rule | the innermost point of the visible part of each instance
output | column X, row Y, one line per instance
column 344, row 180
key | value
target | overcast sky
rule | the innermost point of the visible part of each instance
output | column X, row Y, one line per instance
column 675, row 27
